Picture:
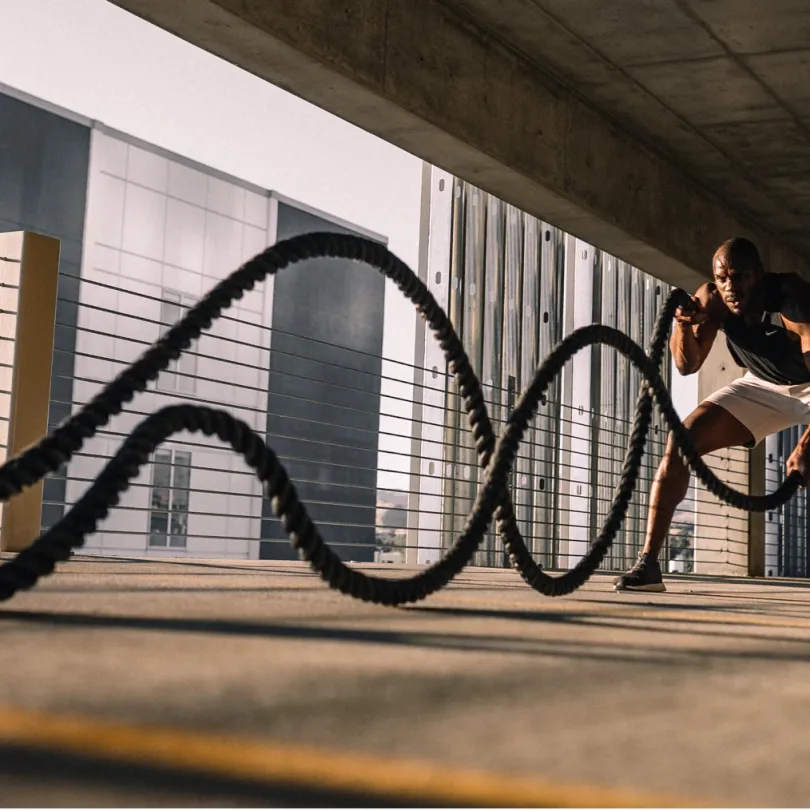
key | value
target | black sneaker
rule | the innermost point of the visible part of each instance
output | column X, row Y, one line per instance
column 645, row 575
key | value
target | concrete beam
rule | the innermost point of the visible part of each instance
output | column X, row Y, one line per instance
column 433, row 83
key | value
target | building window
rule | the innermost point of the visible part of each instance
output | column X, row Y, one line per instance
column 168, row 519
column 181, row 374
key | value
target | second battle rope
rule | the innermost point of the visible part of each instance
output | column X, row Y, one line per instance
column 496, row 457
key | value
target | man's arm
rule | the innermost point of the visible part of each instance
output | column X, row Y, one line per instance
column 799, row 460
column 796, row 310
column 796, row 314
column 693, row 333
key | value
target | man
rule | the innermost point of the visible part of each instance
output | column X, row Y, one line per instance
column 766, row 321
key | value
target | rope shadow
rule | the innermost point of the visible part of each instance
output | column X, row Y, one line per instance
column 737, row 609
column 443, row 641
column 601, row 620
column 771, row 582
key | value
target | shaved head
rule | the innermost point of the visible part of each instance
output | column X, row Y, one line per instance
column 738, row 253
column 737, row 269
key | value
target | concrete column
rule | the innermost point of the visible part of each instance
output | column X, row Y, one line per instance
column 576, row 446
column 426, row 533
column 774, row 475
column 28, row 329
column 756, row 520
column 728, row 541
column 417, row 412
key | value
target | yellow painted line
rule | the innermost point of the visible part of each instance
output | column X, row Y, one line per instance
column 264, row 762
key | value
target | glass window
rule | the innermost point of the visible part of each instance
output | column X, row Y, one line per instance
column 171, row 482
column 181, row 375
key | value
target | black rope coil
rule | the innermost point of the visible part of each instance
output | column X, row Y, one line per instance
column 496, row 457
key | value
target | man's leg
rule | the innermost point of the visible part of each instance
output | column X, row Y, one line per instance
column 711, row 428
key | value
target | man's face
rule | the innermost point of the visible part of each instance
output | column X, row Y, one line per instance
column 736, row 285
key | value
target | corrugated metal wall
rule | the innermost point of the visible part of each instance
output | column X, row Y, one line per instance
column 629, row 300
column 512, row 288
column 786, row 530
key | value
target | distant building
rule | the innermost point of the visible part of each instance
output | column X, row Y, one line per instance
column 145, row 234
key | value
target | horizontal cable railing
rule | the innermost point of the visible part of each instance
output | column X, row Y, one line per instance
column 356, row 464
column 225, row 318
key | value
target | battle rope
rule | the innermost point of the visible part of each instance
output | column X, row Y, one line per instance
column 57, row 543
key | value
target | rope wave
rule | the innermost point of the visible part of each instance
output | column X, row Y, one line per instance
column 496, row 457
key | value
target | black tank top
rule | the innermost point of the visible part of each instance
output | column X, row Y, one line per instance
column 766, row 348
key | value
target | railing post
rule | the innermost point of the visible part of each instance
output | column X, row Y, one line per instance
column 756, row 520
column 722, row 534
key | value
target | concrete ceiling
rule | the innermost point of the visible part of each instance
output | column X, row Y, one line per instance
column 653, row 129
column 721, row 86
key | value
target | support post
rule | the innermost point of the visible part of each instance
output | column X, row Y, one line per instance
column 417, row 412
column 29, row 330
column 727, row 541
column 756, row 520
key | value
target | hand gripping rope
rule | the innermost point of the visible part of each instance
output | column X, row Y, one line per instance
column 496, row 457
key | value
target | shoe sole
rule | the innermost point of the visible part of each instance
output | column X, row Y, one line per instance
column 657, row 588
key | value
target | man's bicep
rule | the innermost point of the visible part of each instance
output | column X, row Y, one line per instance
column 712, row 304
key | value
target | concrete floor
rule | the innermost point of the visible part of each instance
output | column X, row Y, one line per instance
column 696, row 696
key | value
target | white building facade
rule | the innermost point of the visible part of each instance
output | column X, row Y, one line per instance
column 159, row 234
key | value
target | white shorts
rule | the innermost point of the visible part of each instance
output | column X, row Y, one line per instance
column 764, row 407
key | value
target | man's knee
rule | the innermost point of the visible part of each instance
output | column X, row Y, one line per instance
column 710, row 428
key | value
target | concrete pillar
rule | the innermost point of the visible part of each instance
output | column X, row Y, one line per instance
column 417, row 413
column 756, row 520
column 30, row 274
column 577, row 446
column 425, row 525
column 728, row 541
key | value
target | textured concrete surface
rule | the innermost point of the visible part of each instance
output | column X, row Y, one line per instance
column 653, row 130
column 701, row 692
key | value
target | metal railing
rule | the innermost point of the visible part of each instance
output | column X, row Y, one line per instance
column 363, row 448
column 220, row 510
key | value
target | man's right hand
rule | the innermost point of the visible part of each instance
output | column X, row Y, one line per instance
column 690, row 346
column 692, row 314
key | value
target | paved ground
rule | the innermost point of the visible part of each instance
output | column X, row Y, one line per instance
column 123, row 682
